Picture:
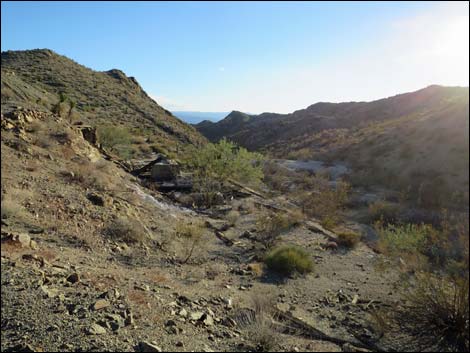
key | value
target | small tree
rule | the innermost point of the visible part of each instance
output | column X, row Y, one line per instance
column 225, row 160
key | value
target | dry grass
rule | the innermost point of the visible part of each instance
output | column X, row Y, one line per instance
column 126, row 230
column 12, row 204
column 271, row 225
column 384, row 211
column 258, row 322
column 348, row 239
column 92, row 175
column 437, row 314
column 191, row 237
column 232, row 217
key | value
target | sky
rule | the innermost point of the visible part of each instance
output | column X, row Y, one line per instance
column 254, row 56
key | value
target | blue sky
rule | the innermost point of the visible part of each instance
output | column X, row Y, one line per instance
column 254, row 56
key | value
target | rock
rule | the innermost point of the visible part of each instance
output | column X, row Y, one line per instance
column 284, row 307
column 99, row 199
column 183, row 313
column 101, row 304
column 21, row 239
column 50, row 292
column 179, row 344
column 170, row 323
column 110, row 294
column 144, row 287
column 355, row 299
column 172, row 330
column 348, row 347
column 149, row 347
column 246, row 234
column 331, row 245
column 96, row 329
column 229, row 322
column 129, row 319
column 196, row 316
column 207, row 320
column 73, row 278
column 25, row 348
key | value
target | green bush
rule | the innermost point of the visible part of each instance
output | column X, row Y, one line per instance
column 225, row 160
column 289, row 259
column 116, row 139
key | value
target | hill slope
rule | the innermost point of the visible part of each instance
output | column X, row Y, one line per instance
column 408, row 140
column 34, row 79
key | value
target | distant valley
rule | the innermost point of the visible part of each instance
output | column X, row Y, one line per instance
column 194, row 117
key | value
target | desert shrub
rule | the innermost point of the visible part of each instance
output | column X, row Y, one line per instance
column 115, row 138
column 277, row 177
column 34, row 127
column 62, row 137
column 191, row 235
column 324, row 201
column 437, row 312
column 208, row 192
column 271, row 226
column 418, row 243
column 11, row 208
column 126, row 230
column 258, row 322
column 42, row 141
column 223, row 161
column 289, row 259
column 232, row 217
column 384, row 211
column 348, row 239
column 301, row 154
column 90, row 175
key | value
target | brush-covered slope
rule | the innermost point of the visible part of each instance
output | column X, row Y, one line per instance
column 34, row 79
column 416, row 141
column 260, row 131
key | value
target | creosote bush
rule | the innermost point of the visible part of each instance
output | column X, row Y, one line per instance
column 289, row 259
column 225, row 160
column 116, row 139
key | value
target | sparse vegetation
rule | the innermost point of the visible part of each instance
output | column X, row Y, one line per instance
column 191, row 235
column 125, row 229
column 324, row 201
column 289, row 259
column 271, row 225
column 437, row 313
column 348, row 239
column 258, row 322
column 232, row 217
column 384, row 212
column 116, row 139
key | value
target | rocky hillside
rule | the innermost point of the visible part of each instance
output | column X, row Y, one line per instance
column 409, row 141
column 259, row 131
column 35, row 79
